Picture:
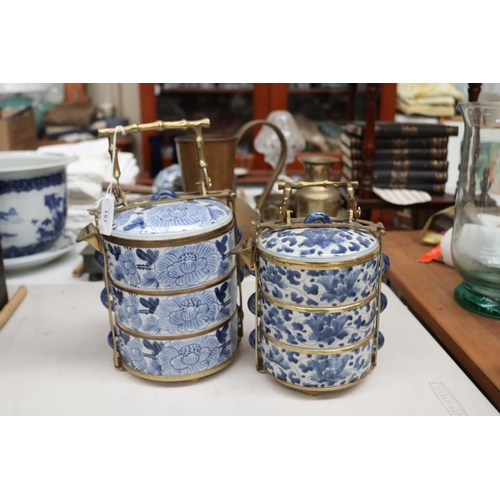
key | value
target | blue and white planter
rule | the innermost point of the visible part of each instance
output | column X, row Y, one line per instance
column 319, row 301
column 33, row 201
column 174, row 287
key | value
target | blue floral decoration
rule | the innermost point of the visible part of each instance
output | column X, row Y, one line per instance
column 188, row 265
column 177, row 216
column 188, row 313
column 181, row 359
column 128, row 312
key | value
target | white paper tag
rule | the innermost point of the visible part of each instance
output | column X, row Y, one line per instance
column 106, row 215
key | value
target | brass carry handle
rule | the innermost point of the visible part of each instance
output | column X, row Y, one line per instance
column 281, row 160
column 287, row 187
column 195, row 125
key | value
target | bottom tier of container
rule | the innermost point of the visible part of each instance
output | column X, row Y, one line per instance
column 182, row 359
column 317, row 371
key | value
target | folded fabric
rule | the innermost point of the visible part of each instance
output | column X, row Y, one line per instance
column 425, row 109
column 433, row 99
column 414, row 92
column 402, row 196
column 92, row 168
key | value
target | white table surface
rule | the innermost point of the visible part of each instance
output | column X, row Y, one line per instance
column 55, row 360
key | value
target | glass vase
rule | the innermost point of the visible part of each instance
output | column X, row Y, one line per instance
column 476, row 228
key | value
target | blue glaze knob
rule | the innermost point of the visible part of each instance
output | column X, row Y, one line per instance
column 104, row 299
column 317, row 217
column 98, row 258
column 251, row 303
column 251, row 339
column 242, row 274
column 240, row 234
column 383, row 302
column 381, row 340
column 386, row 263
column 110, row 340
column 163, row 193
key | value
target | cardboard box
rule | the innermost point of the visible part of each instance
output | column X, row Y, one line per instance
column 17, row 129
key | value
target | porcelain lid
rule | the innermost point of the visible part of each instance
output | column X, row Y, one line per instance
column 318, row 244
column 178, row 219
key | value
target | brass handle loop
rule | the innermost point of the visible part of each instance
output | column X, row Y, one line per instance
column 281, row 160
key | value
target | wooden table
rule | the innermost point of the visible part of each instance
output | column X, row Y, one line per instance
column 471, row 339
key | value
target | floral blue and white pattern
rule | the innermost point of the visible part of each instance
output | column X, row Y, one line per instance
column 316, row 370
column 328, row 288
column 318, row 330
column 178, row 314
column 318, row 243
column 298, row 341
column 177, row 358
column 171, row 268
column 171, row 219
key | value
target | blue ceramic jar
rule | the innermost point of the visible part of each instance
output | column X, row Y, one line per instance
column 174, row 287
column 318, row 299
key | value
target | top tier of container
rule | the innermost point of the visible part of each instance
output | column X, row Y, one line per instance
column 172, row 221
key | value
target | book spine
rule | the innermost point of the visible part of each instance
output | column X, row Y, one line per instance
column 349, row 174
column 410, row 177
column 398, row 154
column 405, row 130
column 353, row 174
column 428, row 188
column 397, row 143
column 438, row 165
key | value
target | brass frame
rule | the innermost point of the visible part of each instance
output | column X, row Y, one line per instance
column 168, row 293
column 143, row 335
column 316, row 266
column 320, row 351
column 318, row 309
column 251, row 255
column 315, row 391
column 182, row 378
column 172, row 242
column 93, row 235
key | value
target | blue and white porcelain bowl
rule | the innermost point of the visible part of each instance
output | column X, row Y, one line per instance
column 33, row 201
column 319, row 299
column 174, row 286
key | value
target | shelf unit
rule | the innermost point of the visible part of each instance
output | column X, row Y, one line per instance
column 264, row 98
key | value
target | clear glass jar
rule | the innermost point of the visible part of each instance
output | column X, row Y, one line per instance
column 476, row 228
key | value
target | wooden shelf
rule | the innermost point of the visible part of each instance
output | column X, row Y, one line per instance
column 201, row 90
column 325, row 90
column 266, row 97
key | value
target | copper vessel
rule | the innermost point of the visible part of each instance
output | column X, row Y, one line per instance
column 220, row 154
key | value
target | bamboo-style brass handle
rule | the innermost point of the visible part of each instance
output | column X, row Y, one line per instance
column 195, row 125
column 287, row 187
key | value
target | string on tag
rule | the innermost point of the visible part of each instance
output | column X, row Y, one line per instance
column 107, row 202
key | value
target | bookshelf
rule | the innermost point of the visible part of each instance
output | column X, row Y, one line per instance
column 229, row 108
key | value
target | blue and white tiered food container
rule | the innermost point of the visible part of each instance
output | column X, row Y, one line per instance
column 318, row 297
column 175, row 310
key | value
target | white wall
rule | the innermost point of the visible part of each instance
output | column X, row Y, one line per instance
column 124, row 97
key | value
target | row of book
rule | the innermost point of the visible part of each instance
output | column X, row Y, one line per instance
column 409, row 156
